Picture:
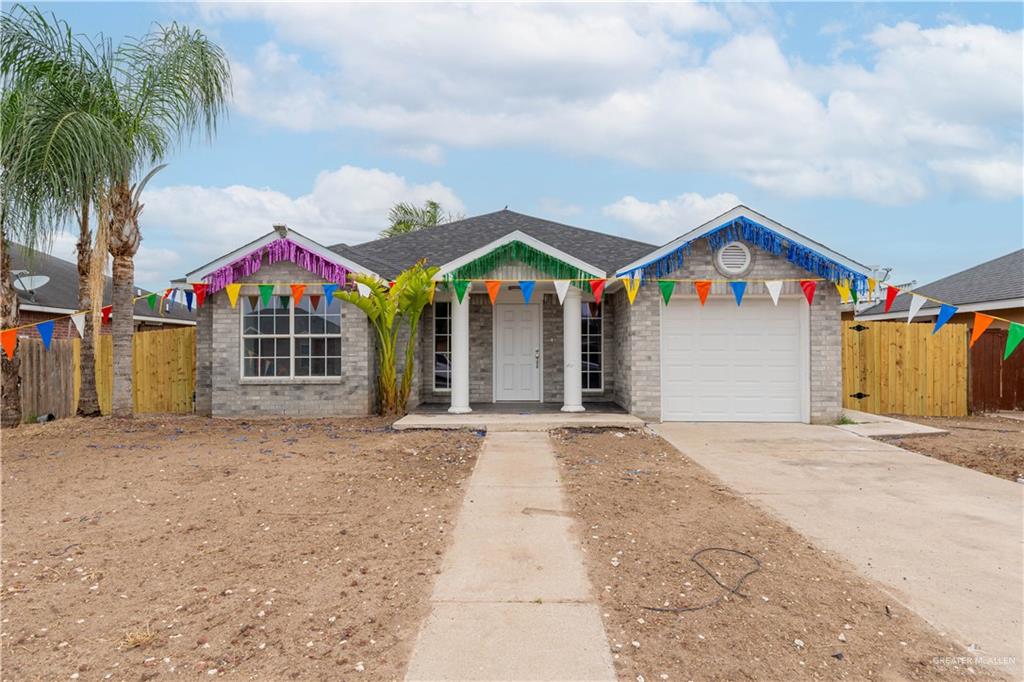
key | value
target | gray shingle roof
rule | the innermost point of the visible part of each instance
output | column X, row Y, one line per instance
column 994, row 280
column 62, row 289
column 444, row 243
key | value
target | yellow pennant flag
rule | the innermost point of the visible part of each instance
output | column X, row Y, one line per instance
column 233, row 290
column 872, row 283
column 632, row 287
column 844, row 291
column 430, row 294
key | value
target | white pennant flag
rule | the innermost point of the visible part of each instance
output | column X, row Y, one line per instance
column 364, row 290
column 562, row 288
column 915, row 305
column 774, row 287
column 79, row 320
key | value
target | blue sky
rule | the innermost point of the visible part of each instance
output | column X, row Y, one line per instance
column 891, row 132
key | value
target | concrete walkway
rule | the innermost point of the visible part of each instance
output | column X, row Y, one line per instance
column 944, row 539
column 878, row 426
column 512, row 601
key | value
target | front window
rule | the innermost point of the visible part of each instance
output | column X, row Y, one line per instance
column 592, row 350
column 287, row 338
column 442, row 345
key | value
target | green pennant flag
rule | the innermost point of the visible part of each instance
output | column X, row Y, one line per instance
column 1013, row 339
column 853, row 292
column 667, row 287
column 284, row 300
column 460, row 286
column 266, row 291
column 151, row 300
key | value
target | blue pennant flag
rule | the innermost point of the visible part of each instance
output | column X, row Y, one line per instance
column 46, row 332
column 526, row 287
column 945, row 313
column 738, row 288
column 188, row 299
column 329, row 292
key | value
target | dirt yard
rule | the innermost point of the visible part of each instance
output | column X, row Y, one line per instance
column 278, row 549
column 992, row 445
column 644, row 510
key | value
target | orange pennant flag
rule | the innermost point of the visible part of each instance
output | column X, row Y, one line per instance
column 493, row 287
column 297, row 290
column 981, row 323
column 703, row 287
column 9, row 340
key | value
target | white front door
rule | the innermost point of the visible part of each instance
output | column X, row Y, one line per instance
column 517, row 352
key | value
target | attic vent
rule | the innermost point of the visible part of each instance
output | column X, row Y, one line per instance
column 733, row 258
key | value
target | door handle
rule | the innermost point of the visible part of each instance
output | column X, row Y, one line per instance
column 536, row 357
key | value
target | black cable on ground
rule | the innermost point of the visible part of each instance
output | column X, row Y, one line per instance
column 730, row 589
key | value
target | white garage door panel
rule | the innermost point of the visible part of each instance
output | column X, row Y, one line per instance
column 721, row 362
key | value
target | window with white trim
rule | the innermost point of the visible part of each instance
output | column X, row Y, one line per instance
column 442, row 346
column 592, row 348
column 291, row 339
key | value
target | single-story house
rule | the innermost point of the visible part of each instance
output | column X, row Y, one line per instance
column 47, row 289
column 755, row 350
column 995, row 287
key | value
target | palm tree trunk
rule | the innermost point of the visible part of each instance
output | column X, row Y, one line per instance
column 88, row 399
column 10, row 379
column 122, row 329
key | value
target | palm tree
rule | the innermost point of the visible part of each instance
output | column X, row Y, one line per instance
column 57, row 145
column 405, row 217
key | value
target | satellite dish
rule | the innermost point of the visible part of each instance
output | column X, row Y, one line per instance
column 25, row 282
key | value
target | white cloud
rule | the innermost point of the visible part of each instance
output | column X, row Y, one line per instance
column 995, row 178
column 669, row 218
column 624, row 82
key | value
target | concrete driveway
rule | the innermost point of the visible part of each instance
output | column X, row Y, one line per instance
column 946, row 541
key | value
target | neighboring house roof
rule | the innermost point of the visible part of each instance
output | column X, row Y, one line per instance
column 443, row 244
column 60, row 293
column 994, row 284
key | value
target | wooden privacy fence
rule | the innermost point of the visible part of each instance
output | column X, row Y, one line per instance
column 163, row 377
column 996, row 384
column 900, row 368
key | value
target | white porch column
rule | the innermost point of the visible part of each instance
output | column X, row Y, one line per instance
column 572, row 394
column 460, row 354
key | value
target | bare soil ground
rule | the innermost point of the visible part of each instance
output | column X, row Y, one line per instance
column 990, row 444
column 272, row 549
column 644, row 509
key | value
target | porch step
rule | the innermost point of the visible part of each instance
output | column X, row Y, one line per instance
column 545, row 421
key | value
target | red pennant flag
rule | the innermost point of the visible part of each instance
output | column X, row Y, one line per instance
column 703, row 287
column 890, row 295
column 200, row 290
column 808, row 285
column 106, row 310
column 297, row 290
column 493, row 287
column 981, row 323
column 314, row 301
column 9, row 340
column 597, row 288
column 391, row 284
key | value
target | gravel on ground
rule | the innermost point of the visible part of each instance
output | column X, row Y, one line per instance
column 986, row 443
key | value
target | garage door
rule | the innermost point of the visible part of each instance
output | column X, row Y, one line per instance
column 721, row 362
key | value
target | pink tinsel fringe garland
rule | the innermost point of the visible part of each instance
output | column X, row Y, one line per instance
column 279, row 250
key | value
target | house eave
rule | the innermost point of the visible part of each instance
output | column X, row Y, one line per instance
column 518, row 236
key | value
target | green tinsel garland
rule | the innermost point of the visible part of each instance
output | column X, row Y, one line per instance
column 518, row 251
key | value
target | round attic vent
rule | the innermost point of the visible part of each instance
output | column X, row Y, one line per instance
column 733, row 259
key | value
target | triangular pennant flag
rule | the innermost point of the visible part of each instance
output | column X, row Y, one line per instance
column 526, row 289
column 808, row 285
column 78, row 319
column 915, row 306
column 45, row 330
column 363, row 289
column 169, row 293
column 431, row 291
column 844, row 291
column 266, row 292
column 774, row 287
column 200, row 290
column 460, row 285
column 703, row 287
column 1013, row 339
column 981, row 323
column 853, row 293
column 188, row 300
column 329, row 290
column 283, row 298
column 872, row 284
column 597, row 288
column 254, row 302
column 297, row 290
column 632, row 286
column 151, row 300
column 561, row 289
column 891, row 293
column 9, row 340
column 493, row 287
column 314, row 302
column 945, row 312
column 667, row 287
column 391, row 284
column 105, row 311
column 233, row 290
column 737, row 290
